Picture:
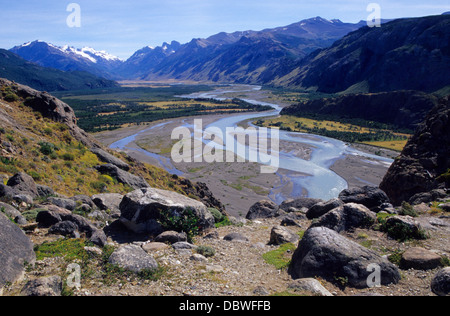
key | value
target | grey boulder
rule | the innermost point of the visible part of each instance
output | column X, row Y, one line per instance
column 281, row 235
column 324, row 253
column 141, row 210
column 441, row 282
column 371, row 197
column 262, row 209
column 133, row 258
column 16, row 250
column 123, row 176
column 322, row 208
column 46, row 286
column 347, row 217
column 108, row 158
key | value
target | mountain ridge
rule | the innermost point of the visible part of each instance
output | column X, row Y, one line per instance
column 14, row 67
column 405, row 54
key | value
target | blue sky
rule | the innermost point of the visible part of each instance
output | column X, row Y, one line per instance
column 121, row 27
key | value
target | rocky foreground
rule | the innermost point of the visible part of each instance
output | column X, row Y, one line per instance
column 124, row 246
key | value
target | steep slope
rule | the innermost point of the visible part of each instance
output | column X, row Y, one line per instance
column 69, row 58
column 406, row 54
column 39, row 136
column 402, row 109
column 424, row 164
column 15, row 68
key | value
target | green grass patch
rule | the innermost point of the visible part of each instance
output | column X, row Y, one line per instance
column 281, row 257
column 69, row 249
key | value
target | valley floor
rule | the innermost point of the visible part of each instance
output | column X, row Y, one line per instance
column 239, row 185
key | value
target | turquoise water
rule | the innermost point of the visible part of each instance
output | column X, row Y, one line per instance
column 312, row 176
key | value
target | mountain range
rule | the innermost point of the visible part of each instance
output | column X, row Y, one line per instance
column 68, row 58
column 17, row 69
column 225, row 57
column 322, row 55
column 411, row 54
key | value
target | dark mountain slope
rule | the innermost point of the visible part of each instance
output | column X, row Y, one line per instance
column 424, row 164
column 405, row 54
column 68, row 58
column 15, row 68
column 402, row 109
column 250, row 56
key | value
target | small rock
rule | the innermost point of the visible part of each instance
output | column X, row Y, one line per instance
column 281, row 235
column 198, row 258
column 420, row 259
column 214, row 268
column 445, row 207
column 171, row 237
column 48, row 286
column 65, row 228
column 235, row 237
column 183, row 245
column 133, row 258
column 261, row 291
column 154, row 246
column 309, row 285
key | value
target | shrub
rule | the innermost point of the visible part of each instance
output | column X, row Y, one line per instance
column 218, row 217
column 11, row 97
column 36, row 176
column 186, row 222
column 408, row 210
column 68, row 157
column 206, row 251
column 47, row 148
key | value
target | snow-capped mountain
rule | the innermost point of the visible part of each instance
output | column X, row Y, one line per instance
column 68, row 58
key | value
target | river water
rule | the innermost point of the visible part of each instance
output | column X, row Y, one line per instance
column 312, row 176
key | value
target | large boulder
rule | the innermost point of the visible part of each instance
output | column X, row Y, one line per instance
column 141, row 210
column 262, row 209
column 16, row 250
column 322, row 208
column 23, row 183
column 371, row 197
column 108, row 158
column 441, row 282
column 108, row 201
column 404, row 228
column 123, row 176
column 347, row 217
column 324, row 253
column 299, row 203
column 13, row 213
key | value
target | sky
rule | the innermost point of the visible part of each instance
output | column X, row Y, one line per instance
column 122, row 27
